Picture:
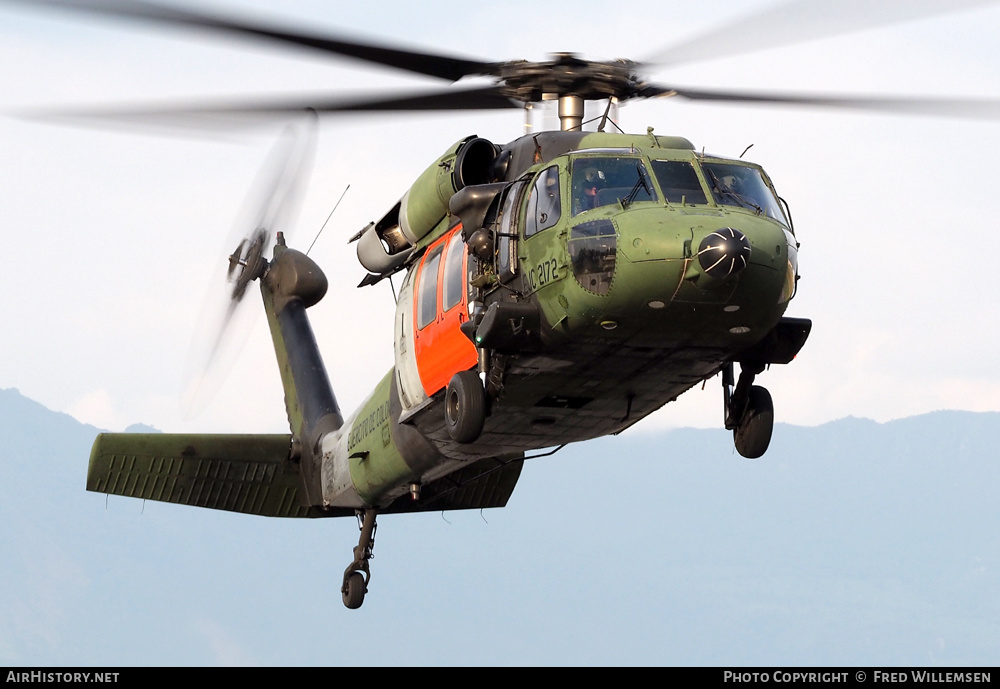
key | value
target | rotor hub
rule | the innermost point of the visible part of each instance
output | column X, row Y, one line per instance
column 247, row 263
column 568, row 75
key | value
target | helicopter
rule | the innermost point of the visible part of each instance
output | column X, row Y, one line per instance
column 558, row 287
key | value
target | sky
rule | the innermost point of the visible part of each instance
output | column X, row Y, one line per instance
column 113, row 237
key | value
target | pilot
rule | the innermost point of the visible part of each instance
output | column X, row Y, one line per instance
column 731, row 183
column 735, row 184
column 593, row 182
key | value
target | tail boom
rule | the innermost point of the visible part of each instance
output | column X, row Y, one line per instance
column 294, row 282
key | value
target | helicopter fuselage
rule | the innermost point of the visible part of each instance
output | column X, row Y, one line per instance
column 603, row 291
column 559, row 288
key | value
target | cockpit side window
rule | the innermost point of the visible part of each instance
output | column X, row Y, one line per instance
column 543, row 209
column 506, row 243
column 743, row 186
column 600, row 181
column 679, row 181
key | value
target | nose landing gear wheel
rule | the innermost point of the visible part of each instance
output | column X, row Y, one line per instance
column 753, row 434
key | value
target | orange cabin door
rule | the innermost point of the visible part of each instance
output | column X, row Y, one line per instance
column 440, row 307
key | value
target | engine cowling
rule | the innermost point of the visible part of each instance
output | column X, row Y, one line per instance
column 425, row 204
column 386, row 245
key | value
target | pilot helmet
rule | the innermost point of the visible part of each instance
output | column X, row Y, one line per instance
column 593, row 177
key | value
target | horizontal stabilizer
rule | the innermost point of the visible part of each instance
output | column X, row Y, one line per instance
column 253, row 474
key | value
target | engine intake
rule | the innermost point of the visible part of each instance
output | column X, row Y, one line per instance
column 385, row 245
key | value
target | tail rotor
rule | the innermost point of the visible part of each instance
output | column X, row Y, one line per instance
column 271, row 207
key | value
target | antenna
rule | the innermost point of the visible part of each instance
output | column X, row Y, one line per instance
column 327, row 219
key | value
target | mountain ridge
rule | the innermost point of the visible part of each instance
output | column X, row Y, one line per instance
column 848, row 543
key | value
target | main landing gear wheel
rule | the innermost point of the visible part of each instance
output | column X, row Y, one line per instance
column 357, row 575
column 753, row 434
column 464, row 407
column 749, row 410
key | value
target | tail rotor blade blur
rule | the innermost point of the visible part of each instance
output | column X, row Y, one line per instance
column 271, row 207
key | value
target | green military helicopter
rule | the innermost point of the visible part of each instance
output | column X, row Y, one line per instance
column 556, row 288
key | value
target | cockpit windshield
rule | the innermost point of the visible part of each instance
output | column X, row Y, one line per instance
column 743, row 186
column 599, row 181
column 678, row 181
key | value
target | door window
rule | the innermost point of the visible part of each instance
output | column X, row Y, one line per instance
column 427, row 289
column 543, row 205
column 454, row 273
column 507, row 233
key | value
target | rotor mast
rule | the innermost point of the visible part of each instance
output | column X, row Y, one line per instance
column 570, row 81
column 570, row 113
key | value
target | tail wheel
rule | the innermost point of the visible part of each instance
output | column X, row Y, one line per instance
column 464, row 407
column 753, row 434
column 354, row 590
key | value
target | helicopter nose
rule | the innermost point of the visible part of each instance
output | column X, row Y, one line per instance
column 724, row 252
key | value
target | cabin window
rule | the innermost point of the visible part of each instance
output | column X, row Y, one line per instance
column 743, row 186
column 600, row 181
column 543, row 205
column 592, row 250
column 679, row 182
column 454, row 273
column 427, row 289
column 506, row 238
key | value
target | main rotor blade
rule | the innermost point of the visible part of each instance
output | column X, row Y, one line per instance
column 947, row 107
column 487, row 98
column 441, row 66
column 797, row 21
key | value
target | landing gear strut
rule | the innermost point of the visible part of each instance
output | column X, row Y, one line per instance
column 749, row 411
column 357, row 575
